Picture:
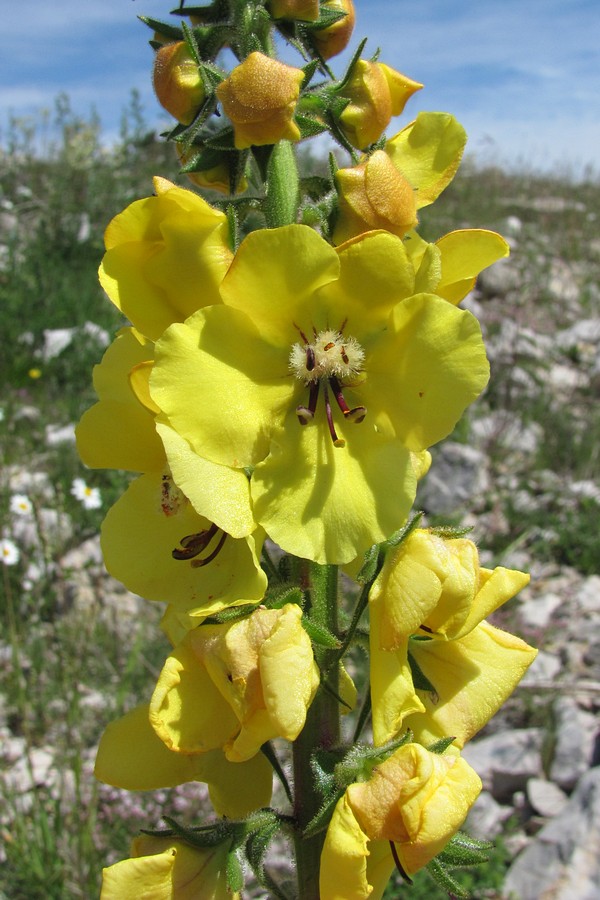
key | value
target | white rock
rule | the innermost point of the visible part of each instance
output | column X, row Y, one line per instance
column 542, row 670
column 486, row 817
column 588, row 595
column 546, row 798
column 505, row 761
column 576, row 733
column 538, row 611
column 563, row 862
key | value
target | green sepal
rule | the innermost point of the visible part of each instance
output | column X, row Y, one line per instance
column 169, row 31
column 234, row 872
column 232, row 614
column 323, row 763
column 348, row 73
column 327, row 17
column 279, row 596
column 359, row 762
column 322, row 818
column 203, row 836
column 222, row 140
column 420, row 681
column 315, row 186
column 449, row 532
column 443, row 878
column 441, row 746
column 463, row 850
column 214, row 12
column 371, row 565
column 309, row 72
column 309, row 127
column 400, row 536
column 256, row 848
column 319, row 634
column 269, row 753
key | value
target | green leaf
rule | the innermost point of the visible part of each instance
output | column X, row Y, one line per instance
column 451, row 531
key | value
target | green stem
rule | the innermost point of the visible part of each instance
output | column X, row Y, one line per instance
column 322, row 730
column 283, row 186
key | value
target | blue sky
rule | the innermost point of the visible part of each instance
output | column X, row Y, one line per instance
column 523, row 76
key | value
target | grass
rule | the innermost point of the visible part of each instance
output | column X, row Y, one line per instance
column 72, row 659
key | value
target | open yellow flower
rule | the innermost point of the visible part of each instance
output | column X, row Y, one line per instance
column 415, row 800
column 162, row 868
column 260, row 97
column 183, row 532
column 165, row 257
column 427, row 606
column 132, row 756
column 323, row 383
column 236, row 686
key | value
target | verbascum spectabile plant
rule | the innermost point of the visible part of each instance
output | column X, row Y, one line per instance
column 293, row 348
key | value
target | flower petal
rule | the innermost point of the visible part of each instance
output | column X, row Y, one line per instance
column 118, row 431
column 343, row 872
column 221, row 385
column 330, row 503
column 274, row 277
column 472, row 676
column 465, row 253
column 428, row 369
column 428, row 152
column 138, row 539
column 216, row 492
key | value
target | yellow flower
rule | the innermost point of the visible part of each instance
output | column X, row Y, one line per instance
column 256, row 678
column 177, row 82
column 182, row 532
column 415, row 800
column 376, row 93
column 34, row 374
column 260, row 97
column 374, row 195
column 324, row 384
column 131, row 756
column 166, row 257
column 332, row 39
column 162, row 868
column 428, row 605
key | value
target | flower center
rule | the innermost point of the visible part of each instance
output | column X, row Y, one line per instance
column 330, row 359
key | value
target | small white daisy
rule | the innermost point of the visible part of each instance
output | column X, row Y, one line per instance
column 89, row 496
column 9, row 552
column 20, row 505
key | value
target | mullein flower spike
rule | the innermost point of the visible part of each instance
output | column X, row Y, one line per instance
column 290, row 355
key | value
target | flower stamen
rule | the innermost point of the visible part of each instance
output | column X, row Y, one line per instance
column 357, row 414
column 193, row 544
column 337, row 442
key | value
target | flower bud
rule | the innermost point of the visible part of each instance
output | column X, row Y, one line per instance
column 374, row 195
column 177, row 82
column 259, row 97
column 376, row 93
column 303, row 10
column 334, row 38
